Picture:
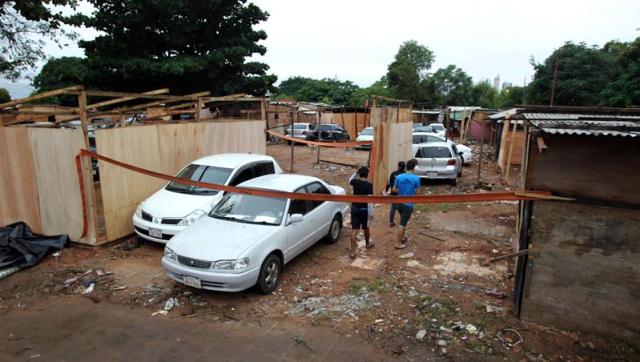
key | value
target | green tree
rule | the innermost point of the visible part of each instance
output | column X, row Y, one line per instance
column 582, row 73
column 185, row 45
column 511, row 96
column 624, row 88
column 4, row 95
column 406, row 75
column 60, row 73
column 23, row 26
column 331, row 91
column 484, row 95
column 451, row 86
column 379, row 88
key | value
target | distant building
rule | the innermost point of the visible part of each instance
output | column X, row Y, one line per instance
column 496, row 82
column 506, row 85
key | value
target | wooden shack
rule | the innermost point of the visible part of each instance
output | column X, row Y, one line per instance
column 582, row 271
column 38, row 175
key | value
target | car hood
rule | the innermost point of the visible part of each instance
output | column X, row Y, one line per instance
column 177, row 205
column 214, row 239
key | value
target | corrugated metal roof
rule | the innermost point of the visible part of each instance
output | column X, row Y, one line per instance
column 504, row 114
column 586, row 124
column 583, row 132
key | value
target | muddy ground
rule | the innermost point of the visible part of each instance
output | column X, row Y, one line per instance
column 435, row 300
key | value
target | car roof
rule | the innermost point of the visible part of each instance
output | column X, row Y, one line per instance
column 435, row 144
column 287, row 182
column 426, row 134
column 231, row 160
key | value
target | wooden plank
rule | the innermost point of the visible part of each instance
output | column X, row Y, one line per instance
column 100, row 93
column 154, row 103
column 590, row 167
column 586, row 269
column 542, row 147
column 59, row 199
column 124, row 99
column 67, row 90
column 19, row 201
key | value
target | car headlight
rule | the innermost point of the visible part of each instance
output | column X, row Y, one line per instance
column 231, row 265
column 170, row 254
column 191, row 218
column 139, row 211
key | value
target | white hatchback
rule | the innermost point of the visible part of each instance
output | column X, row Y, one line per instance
column 246, row 240
column 176, row 206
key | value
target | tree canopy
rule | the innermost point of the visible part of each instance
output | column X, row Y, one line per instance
column 407, row 74
column 4, row 95
column 23, row 26
column 60, row 73
column 187, row 46
column 331, row 91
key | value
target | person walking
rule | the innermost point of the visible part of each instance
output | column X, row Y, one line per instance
column 361, row 213
column 389, row 191
column 406, row 184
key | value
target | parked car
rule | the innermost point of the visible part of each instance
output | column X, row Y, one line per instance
column 300, row 130
column 438, row 128
column 329, row 132
column 438, row 160
column 365, row 135
column 176, row 206
column 427, row 129
column 424, row 137
column 246, row 240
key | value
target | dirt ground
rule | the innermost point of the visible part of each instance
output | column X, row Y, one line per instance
column 435, row 300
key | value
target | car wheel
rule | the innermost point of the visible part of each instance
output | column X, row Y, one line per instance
column 334, row 230
column 454, row 182
column 269, row 274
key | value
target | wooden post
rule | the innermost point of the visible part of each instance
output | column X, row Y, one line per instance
column 199, row 105
column 319, row 134
column 123, row 120
column 292, row 146
column 480, row 162
column 92, row 214
column 508, row 166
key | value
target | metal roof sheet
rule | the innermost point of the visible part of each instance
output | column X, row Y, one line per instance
column 583, row 132
column 574, row 116
column 586, row 124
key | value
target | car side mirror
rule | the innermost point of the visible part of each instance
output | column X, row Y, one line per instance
column 460, row 153
column 294, row 218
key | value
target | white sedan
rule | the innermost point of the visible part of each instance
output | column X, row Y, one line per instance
column 246, row 240
column 365, row 135
column 425, row 137
column 176, row 206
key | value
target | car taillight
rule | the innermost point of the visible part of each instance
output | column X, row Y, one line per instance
column 304, row 133
column 451, row 163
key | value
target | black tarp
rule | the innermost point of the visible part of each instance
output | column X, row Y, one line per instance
column 19, row 247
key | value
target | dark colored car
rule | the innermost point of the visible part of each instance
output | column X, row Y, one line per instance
column 328, row 132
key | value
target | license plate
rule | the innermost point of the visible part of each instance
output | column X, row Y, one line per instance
column 432, row 174
column 192, row 282
column 155, row 233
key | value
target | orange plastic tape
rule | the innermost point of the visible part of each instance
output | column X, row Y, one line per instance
column 418, row 199
column 321, row 144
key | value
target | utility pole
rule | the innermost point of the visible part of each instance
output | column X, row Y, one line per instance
column 553, row 84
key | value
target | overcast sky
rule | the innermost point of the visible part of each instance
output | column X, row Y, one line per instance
column 356, row 40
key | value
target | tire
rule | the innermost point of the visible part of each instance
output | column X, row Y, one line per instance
column 269, row 274
column 334, row 230
column 454, row 182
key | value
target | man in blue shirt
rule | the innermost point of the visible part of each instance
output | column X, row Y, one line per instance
column 406, row 184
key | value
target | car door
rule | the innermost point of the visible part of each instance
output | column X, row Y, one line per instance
column 299, row 233
column 319, row 212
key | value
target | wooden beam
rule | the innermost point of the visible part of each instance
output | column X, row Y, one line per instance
column 542, row 147
column 508, row 165
column 125, row 99
column 99, row 93
column 48, row 94
column 390, row 99
column 156, row 103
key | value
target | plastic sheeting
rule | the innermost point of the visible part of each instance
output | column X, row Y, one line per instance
column 19, row 247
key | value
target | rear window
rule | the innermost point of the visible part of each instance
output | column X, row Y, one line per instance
column 299, row 126
column 437, row 127
column 425, row 138
column 367, row 132
column 434, row 152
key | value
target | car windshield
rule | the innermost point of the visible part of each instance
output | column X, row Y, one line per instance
column 202, row 173
column 250, row 209
column 437, row 127
column 434, row 152
column 423, row 129
column 367, row 132
column 299, row 126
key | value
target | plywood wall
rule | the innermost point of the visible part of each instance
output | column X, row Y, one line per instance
column 59, row 196
column 18, row 188
column 392, row 139
column 586, row 269
column 165, row 148
column 518, row 146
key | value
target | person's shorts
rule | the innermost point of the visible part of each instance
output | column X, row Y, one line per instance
column 359, row 218
column 405, row 213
